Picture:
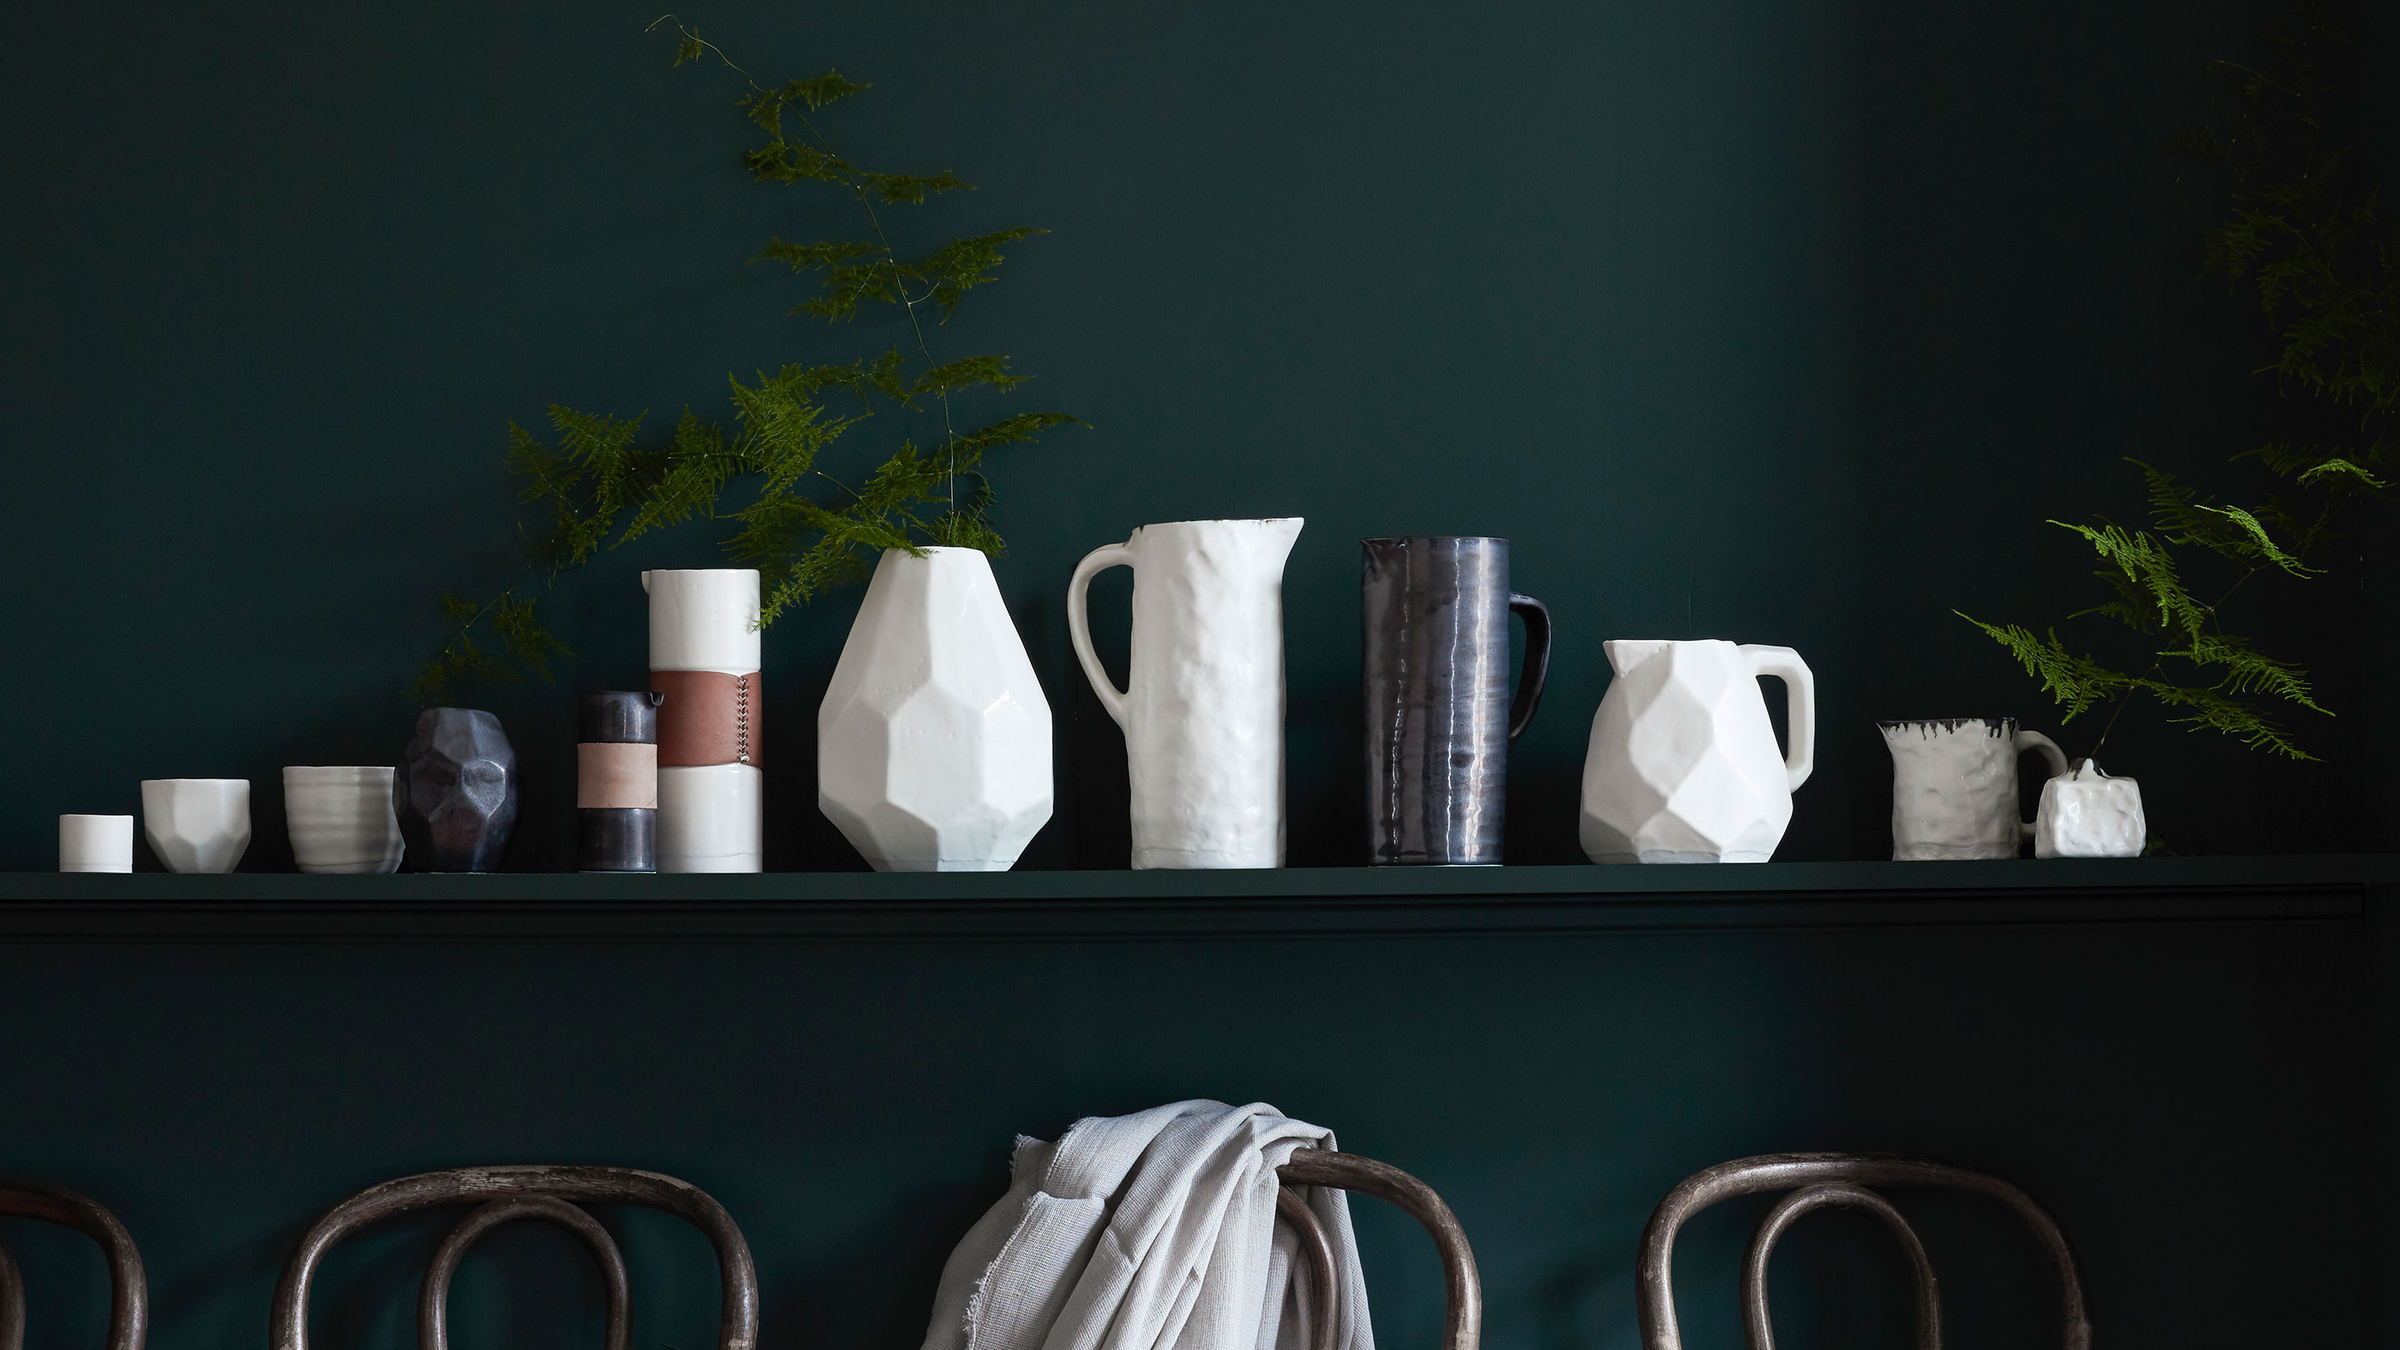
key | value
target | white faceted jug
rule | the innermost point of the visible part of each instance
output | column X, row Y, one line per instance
column 933, row 743
column 1683, row 765
column 1203, row 704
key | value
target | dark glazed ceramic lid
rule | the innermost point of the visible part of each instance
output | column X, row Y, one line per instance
column 618, row 716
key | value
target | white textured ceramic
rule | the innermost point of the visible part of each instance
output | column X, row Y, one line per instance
column 197, row 824
column 933, row 742
column 1954, row 786
column 1203, row 704
column 340, row 818
column 1683, row 766
column 2087, row 814
column 710, row 817
column 95, row 843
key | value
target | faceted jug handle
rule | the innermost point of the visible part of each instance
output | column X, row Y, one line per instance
column 1785, row 664
column 1079, row 623
column 2034, row 740
column 1537, row 662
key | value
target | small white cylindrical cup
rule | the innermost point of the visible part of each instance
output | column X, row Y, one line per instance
column 95, row 843
column 340, row 818
column 197, row 824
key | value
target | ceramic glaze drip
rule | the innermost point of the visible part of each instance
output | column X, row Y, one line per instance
column 1203, row 705
column 1929, row 727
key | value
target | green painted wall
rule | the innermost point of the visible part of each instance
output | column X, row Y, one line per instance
column 2183, row 1095
column 1779, row 322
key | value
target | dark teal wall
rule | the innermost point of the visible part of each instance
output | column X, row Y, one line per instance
column 1779, row 322
column 2182, row 1095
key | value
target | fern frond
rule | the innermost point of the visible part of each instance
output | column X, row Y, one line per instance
column 2076, row 682
column 811, row 257
column 2149, row 567
column 911, row 189
column 966, row 374
column 959, row 266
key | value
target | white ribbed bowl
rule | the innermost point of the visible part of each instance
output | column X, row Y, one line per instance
column 340, row 818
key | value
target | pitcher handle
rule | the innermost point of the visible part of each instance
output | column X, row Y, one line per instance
column 1537, row 662
column 1079, row 623
column 2034, row 740
column 1785, row 664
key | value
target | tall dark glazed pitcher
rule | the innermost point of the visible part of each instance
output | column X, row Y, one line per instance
column 1434, row 620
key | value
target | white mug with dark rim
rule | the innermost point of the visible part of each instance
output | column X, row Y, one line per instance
column 1954, row 786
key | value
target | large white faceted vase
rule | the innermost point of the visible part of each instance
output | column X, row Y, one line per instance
column 933, row 743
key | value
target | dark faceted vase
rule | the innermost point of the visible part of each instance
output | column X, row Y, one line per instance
column 1434, row 629
column 616, row 790
column 456, row 792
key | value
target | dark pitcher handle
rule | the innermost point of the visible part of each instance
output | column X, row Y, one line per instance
column 1537, row 661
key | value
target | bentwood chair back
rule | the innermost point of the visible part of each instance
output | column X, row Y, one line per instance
column 1827, row 1180
column 507, row 1194
column 1463, row 1329
column 129, row 1299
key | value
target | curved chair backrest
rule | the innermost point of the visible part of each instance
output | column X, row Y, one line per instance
column 129, row 1299
column 1463, row 1329
column 1823, row 1180
column 524, row 1192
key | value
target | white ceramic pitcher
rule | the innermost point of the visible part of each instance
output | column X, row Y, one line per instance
column 1203, row 704
column 1683, row 765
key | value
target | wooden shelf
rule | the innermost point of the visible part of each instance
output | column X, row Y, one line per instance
column 1093, row 906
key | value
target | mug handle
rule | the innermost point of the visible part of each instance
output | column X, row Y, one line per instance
column 1785, row 664
column 2034, row 740
column 1537, row 662
column 1079, row 623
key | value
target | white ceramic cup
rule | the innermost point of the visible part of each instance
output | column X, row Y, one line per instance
column 341, row 819
column 197, row 824
column 95, row 843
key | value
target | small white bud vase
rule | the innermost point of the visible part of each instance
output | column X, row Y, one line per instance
column 340, row 818
column 933, row 743
column 197, row 824
column 2087, row 814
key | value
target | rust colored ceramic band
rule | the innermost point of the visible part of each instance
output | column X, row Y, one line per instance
column 616, row 774
column 709, row 718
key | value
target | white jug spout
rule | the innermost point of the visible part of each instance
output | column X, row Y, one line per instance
column 1283, row 530
column 645, row 583
column 1626, row 653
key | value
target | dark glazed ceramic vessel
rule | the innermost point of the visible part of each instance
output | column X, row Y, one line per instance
column 456, row 792
column 615, row 832
column 1434, row 629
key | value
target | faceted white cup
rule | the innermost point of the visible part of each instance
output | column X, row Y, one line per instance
column 95, row 843
column 340, row 817
column 197, row 824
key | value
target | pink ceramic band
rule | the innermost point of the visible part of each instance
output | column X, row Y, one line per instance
column 614, row 775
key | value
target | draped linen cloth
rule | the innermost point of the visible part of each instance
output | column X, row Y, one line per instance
column 1154, row 1231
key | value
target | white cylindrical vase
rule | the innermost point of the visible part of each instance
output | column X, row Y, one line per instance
column 704, row 655
column 933, row 743
column 95, row 843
